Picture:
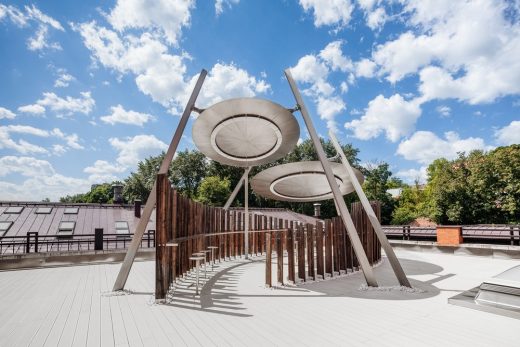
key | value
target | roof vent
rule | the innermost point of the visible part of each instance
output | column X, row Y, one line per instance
column 118, row 193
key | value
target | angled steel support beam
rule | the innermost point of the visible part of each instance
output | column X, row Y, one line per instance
column 392, row 258
column 345, row 215
column 237, row 188
column 152, row 198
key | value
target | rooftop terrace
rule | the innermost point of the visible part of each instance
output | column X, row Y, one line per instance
column 236, row 309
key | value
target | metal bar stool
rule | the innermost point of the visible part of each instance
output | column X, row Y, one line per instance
column 212, row 249
column 203, row 255
column 197, row 260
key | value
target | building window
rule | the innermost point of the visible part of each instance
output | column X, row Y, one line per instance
column 66, row 229
column 122, row 228
column 71, row 210
column 43, row 210
column 4, row 227
column 14, row 210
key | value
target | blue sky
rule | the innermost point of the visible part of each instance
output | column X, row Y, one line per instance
column 90, row 88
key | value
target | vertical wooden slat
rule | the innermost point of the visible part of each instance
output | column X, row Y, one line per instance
column 328, row 247
column 310, row 251
column 290, row 252
column 320, row 266
column 279, row 255
column 268, row 267
column 161, row 229
column 301, row 252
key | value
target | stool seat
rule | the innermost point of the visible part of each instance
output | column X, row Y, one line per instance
column 197, row 258
column 212, row 247
column 172, row 244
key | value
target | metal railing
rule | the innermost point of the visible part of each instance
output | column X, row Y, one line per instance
column 505, row 234
column 34, row 243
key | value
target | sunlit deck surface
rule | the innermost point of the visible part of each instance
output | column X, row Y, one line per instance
column 73, row 306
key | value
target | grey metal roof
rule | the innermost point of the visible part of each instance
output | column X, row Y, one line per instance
column 89, row 217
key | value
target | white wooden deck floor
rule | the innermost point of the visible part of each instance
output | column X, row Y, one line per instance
column 73, row 306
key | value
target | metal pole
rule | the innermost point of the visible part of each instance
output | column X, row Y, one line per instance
column 342, row 207
column 246, row 209
column 392, row 258
column 237, row 188
column 152, row 198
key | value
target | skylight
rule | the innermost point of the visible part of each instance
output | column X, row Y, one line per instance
column 71, row 210
column 4, row 227
column 14, row 210
column 122, row 228
column 66, row 229
column 43, row 210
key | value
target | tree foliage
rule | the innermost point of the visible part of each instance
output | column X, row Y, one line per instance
column 377, row 182
column 213, row 190
column 99, row 194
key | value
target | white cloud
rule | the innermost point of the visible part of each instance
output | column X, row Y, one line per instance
column 314, row 70
column 120, row 115
column 6, row 114
column 133, row 149
column 424, row 146
column 365, row 68
column 444, row 111
column 412, row 175
column 334, row 57
column 395, row 116
column 165, row 16
column 24, row 147
column 33, row 109
column 20, row 146
column 103, row 171
column 225, row 82
column 330, row 12
column 473, row 44
column 63, row 80
column 376, row 18
column 63, row 106
column 219, row 5
column 508, row 135
column 25, row 166
column 40, row 39
column 58, row 149
column 161, row 75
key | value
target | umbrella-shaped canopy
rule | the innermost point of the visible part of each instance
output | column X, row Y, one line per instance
column 301, row 182
column 245, row 132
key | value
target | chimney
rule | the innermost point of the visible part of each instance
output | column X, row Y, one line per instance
column 317, row 210
column 118, row 193
column 137, row 208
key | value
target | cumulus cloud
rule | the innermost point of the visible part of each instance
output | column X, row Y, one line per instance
column 120, row 115
column 63, row 80
column 24, row 147
column 103, row 171
column 6, row 114
column 443, row 110
column 395, row 116
column 26, row 17
column 314, row 70
column 165, row 16
column 413, row 175
column 25, row 166
column 225, row 82
column 463, row 49
column 133, row 149
column 32, row 109
column 220, row 4
column 365, row 68
column 329, row 13
column 508, row 135
column 425, row 146
column 62, row 106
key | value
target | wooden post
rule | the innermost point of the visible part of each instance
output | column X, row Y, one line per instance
column 162, row 206
column 328, row 248
column 279, row 255
column 290, row 252
column 319, row 250
column 268, row 277
column 301, row 252
column 310, row 252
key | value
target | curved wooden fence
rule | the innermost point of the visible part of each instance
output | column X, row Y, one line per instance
column 185, row 227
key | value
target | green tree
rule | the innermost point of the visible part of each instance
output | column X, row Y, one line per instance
column 377, row 182
column 187, row 171
column 214, row 191
column 139, row 184
column 412, row 204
